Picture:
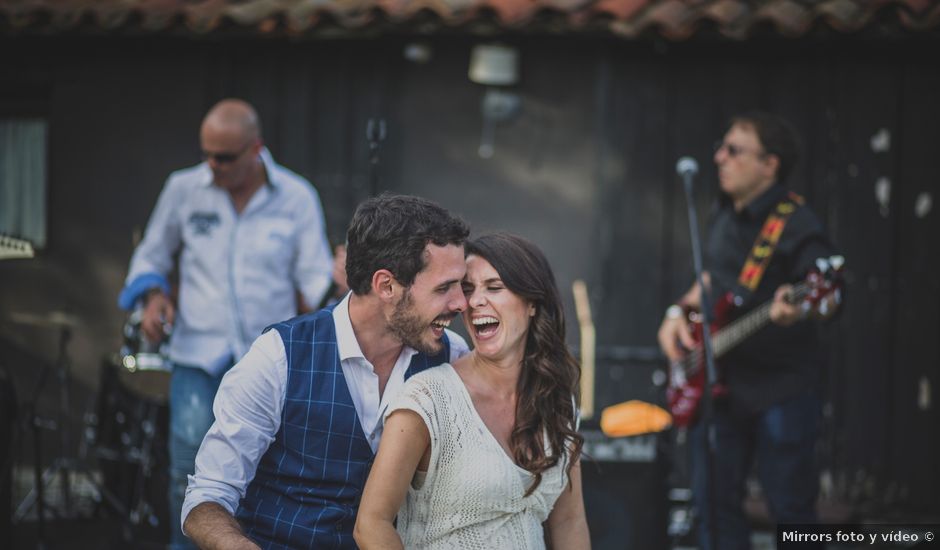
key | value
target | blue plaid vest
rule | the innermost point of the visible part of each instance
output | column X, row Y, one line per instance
column 307, row 487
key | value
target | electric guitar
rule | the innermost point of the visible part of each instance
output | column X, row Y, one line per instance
column 687, row 375
column 11, row 247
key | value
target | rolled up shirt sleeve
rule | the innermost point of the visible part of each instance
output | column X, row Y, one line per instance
column 247, row 411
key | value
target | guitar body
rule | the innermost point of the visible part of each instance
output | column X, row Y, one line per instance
column 687, row 376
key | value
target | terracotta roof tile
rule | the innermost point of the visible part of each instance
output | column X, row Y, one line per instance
column 672, row 19
column 922, row 14
column 622, row 10
column 787, row 16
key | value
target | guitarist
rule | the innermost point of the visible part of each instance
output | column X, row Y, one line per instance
column 770, row 410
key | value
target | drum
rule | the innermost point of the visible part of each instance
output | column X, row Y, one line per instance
column 128, row 433
column 146, row 368
column 152, row 385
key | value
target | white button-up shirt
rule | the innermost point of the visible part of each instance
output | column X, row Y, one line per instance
column 250, row 400
column 238, row 273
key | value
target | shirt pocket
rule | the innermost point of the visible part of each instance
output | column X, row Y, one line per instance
column 272, row 245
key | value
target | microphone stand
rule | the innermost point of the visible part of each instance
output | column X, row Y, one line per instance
column 375, row 135
column 687, row 168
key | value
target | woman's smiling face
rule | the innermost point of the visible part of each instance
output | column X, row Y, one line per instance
column 496, row 318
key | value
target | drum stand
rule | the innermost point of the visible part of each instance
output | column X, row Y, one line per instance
column 138, row 439
column 66, row 464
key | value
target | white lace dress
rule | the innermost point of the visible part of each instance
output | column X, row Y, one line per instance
column 472, row 494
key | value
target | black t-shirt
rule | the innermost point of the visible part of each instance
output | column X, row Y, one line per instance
column 777, row 362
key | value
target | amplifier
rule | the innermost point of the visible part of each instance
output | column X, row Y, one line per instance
column 625, row 478
column 624, row 481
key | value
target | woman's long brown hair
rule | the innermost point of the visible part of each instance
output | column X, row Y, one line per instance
column 550, row 375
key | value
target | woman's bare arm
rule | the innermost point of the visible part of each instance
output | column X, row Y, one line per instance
column 405, row 441
column 567, row 523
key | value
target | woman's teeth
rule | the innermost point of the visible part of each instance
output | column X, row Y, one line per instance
column 485, row 324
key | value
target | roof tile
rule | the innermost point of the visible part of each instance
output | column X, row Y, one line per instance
column 672, row 19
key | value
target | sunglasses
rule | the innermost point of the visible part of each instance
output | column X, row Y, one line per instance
column 225, row 158
column 735, row 150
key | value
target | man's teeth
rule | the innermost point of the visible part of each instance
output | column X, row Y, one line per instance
column 442, row 324
column 485, row 321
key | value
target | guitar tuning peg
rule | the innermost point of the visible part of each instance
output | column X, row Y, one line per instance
column 837, row 262
column 822, row 264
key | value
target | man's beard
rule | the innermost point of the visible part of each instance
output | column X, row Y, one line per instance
column 409, row 328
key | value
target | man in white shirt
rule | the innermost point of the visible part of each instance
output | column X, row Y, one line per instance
column 247, row 237
column 299, row 418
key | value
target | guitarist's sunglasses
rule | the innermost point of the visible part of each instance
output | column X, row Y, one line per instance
column 735, row 150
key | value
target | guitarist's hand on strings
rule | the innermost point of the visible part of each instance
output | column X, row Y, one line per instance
column 675, row 335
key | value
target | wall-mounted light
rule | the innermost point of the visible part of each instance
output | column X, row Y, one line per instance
column 495, row 65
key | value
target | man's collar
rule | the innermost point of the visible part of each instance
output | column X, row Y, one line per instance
column 268, row 162
column 346, row 342
column 758, row 208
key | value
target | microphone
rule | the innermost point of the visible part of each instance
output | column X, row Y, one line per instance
column 687, row 166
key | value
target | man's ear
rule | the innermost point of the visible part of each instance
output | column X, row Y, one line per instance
column 256, row 147
column 773, row 165
column 384, row 285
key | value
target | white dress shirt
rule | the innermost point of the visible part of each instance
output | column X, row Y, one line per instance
column 250, row 400
column 238, row 272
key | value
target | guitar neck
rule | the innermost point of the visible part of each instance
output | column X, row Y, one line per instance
column 728, row 337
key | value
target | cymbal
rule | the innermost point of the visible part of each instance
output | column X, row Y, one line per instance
column 54, row 319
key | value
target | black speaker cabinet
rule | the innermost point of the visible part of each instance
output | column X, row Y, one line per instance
column 624, row 479
column 625, row 493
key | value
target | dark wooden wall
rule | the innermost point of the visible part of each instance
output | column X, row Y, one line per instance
column 586, row 170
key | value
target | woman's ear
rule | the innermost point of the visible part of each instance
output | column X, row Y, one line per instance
column 532, row 310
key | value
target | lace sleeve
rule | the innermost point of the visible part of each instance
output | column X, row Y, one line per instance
column 419, row 394
column 416, row 395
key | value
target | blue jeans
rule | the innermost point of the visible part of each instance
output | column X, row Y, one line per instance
column 783, row 441
column 192, row 392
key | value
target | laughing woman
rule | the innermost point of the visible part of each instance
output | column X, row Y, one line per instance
column 484, row 453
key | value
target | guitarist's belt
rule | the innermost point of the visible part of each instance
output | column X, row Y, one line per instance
column 765, row 244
